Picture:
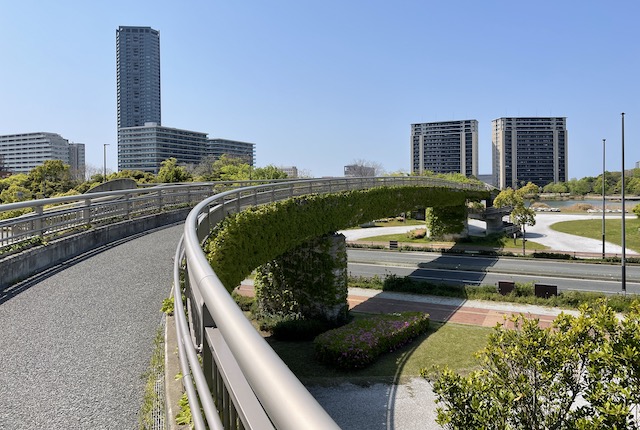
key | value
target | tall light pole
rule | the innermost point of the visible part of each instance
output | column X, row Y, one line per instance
column 624, row 235
column 603, row 193
column 104, row 162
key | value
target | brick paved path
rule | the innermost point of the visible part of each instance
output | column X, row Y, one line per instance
column 473, row 312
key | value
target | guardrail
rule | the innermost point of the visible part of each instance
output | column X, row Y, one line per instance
column 242, row 383
column 57, row 216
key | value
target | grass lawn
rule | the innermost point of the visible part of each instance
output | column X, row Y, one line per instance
column 493, row 242
column 450, row 344
column 392, row 222
column 593, row 228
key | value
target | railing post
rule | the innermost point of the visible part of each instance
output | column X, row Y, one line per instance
column 38, row 224
column 127, row 206
column 291, row 190
column 238, row 195
column 159, row 199
column 255, row 197
column 86, row 212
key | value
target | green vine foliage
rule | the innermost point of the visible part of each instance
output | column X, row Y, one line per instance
column 309, row 282
column 443, row 220
column 259, row 234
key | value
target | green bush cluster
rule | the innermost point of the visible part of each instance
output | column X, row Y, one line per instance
column 419, row 233
column 244, row 302
column 361, row 342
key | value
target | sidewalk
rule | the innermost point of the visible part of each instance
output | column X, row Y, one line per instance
column 442, row 309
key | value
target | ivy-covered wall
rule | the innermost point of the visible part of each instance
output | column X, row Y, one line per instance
column 443, row 221
column 258, row 235
column 309, row 281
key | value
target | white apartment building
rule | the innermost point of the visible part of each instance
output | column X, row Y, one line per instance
column 217, row 147
column 145, row 148
column 445, row 147
column 529, row 149
column 21, row 153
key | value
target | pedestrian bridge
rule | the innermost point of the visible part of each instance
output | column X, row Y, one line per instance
column 251, row 386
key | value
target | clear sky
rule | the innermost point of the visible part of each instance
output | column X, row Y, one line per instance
column 320, row 84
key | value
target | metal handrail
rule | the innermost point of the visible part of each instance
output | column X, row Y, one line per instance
column 63, row 214
column 284, row 399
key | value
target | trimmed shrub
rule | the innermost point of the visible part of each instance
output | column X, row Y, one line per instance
column 361, row 342
column 418, row 233
column 244, row 302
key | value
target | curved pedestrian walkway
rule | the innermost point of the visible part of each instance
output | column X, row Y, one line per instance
column 75, row 343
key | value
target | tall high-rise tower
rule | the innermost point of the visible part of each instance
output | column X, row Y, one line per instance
column 445, row 147
column 138, row 76
column 529, row 149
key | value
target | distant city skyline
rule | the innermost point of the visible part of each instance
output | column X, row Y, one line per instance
column 272, row 74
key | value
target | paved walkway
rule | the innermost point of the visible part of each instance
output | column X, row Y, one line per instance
column 541, row 233
column 442, row 309
column 76, row 343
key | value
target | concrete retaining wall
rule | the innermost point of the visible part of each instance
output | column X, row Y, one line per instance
column 30, row 262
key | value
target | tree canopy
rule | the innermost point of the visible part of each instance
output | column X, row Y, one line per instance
column 583, row 372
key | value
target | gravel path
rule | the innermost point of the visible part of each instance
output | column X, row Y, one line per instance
column 74, row 345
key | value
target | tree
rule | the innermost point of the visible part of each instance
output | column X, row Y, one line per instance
column 51, row 178
column 268, row 172
column 636, row 210
column 582, row 186
column 171, row 172
column 583, row 372
column 556, row 187
column 521, row 215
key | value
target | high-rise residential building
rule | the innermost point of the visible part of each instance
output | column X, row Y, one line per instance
column 21, row 153
column 76, row 160
column 218, row 147
column 445, row 147
column 146, row 147
column 138, row 76
column 529, row 149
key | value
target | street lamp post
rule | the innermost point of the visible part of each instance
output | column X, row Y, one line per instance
column 104, row 162
column 603, row 193
column 624, row 235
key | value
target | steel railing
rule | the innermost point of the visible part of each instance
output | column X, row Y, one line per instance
column 57, row 216
column 242, row 382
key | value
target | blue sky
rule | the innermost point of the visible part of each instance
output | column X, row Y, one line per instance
column 320, row 84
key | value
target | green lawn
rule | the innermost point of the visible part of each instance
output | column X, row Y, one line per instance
column 613, row 230
column 450, row 344
column 492, row 242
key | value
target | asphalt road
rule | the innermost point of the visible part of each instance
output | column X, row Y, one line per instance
column 477, row 270
column 74, row 345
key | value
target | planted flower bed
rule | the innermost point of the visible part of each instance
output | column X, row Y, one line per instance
column 361, row 342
